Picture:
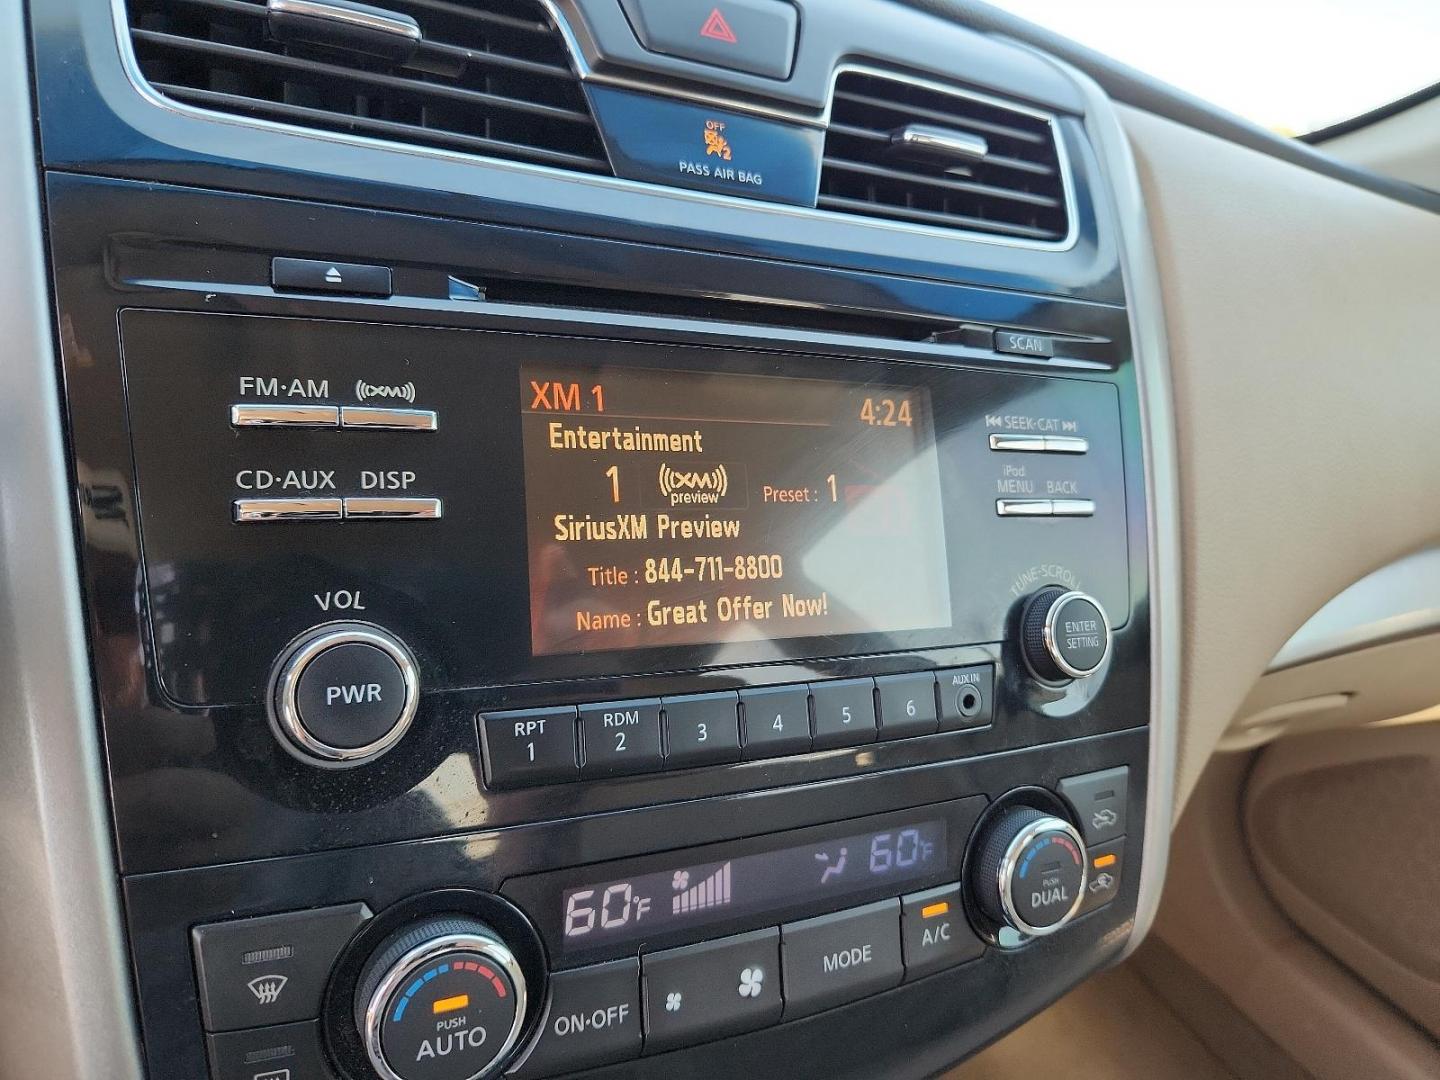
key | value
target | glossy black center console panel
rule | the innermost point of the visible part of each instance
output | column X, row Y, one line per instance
column 309, row 410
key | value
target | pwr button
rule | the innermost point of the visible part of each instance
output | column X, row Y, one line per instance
column 350, row 695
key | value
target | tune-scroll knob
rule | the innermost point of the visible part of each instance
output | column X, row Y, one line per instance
column 1029, row 871
column 342, row 694
column 441, row 1000
column 1064, row 634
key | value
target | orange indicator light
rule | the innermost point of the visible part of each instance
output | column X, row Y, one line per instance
column 450, row 1004
column 929, row 911
column 1103, row 861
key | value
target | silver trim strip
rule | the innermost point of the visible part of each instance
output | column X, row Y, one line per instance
column 491, row 948
column 363, row 417
column 1072, row 507
column 756, row 206
column 247, row 511
column 939, row 142
column 59, row 887
column 1066, row 444
column 1005, row 874
column 1030, row 444
column 1162, row 482
column 396, row 509
column 1024, row 507
column 360, row 17
column 285, row 708
column 309, row 416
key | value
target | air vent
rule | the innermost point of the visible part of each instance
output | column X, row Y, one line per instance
column 900, row 150
column 487, row 77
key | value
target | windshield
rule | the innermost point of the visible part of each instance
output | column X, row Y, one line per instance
column 1293, row 66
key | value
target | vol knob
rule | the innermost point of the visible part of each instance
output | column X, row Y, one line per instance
column 441, row 1000
column 343, row 694
column 1064, row 635
column 1029, row 871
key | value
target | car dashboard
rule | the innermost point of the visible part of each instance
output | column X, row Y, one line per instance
column 616, row 537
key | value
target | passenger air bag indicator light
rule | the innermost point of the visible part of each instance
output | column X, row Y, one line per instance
column 718, row 29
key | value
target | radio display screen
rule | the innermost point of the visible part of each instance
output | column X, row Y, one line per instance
column 693, row 896
column 680, row 507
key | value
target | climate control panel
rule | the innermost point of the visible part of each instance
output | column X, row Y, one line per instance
column 601, row 964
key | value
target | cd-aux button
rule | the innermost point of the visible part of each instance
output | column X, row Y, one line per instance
column 299, row 509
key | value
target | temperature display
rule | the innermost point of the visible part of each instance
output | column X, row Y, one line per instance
column 686, row 896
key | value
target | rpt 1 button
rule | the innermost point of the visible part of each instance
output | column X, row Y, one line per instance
column 530, row 746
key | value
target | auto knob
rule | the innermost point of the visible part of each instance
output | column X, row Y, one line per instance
column 443, row 999
column 1029, row 871
column 342, row 694
column 1064, row 634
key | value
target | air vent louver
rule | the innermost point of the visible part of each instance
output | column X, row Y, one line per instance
column 1009, row 183
column 488, row 77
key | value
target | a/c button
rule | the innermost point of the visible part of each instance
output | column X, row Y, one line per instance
column 594, row 1019
column 935, row 932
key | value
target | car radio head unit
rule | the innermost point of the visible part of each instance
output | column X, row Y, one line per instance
column 555, row 508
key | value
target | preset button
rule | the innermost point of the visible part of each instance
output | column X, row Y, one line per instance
column 777, row 721
column 844, row 712
column 907, row 705
column 529, row 746
column 621, row 737
column 702, row 729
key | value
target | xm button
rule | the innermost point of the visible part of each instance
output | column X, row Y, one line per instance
column 343, row 694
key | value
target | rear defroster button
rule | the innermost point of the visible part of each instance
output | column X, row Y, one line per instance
column 343, row 694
